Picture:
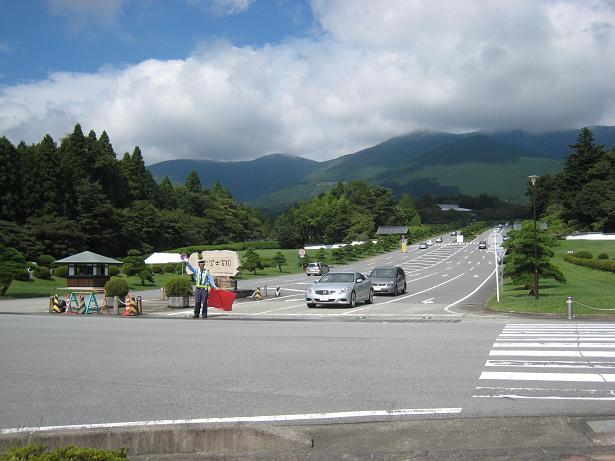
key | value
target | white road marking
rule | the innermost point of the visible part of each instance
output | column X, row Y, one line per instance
column 549, row 364
column 552, row 353
column 247, row 419
column 570, row 377
column 428, row 301
column 278, row 309
column 447, row 308
column 423, row 291
column 565, row 345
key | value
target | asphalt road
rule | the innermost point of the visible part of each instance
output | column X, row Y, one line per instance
column 431, row 353
column 447, row 281
column 75, row 370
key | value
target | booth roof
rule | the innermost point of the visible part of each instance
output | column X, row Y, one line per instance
column 163, row 258
column 87, row 257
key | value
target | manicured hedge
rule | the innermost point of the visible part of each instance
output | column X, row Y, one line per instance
column 235, row 246
column 601, row 264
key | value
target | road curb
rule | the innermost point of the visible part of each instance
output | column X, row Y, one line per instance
column 169, row 439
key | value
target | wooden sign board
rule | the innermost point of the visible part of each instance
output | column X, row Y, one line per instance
column 219, row 262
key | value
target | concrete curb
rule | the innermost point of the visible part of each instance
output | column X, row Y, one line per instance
column 171, row 439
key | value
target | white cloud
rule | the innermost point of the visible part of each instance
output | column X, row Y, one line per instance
column 80, row 12
column 378, row 69
column 223, row 7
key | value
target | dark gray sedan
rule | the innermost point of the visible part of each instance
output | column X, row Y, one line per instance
column 346, row 288
column 388, row 280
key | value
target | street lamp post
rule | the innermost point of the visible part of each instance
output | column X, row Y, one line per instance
column 533, row 180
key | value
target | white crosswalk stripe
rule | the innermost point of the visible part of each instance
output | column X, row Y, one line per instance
column 553, row 361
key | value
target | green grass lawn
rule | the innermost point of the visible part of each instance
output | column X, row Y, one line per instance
column 588, row 287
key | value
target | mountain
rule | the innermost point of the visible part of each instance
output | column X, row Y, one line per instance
column 419, row 163
column 555, row 144
column 428, row 163
column 247, row 180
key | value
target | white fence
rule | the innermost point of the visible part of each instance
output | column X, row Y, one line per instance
column 591, row 236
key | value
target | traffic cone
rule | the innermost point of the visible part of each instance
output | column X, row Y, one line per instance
column 134, row 308
column 56, row 308
column 126, row 305
column 257, row 294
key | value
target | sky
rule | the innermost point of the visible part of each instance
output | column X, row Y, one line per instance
column 238, row 79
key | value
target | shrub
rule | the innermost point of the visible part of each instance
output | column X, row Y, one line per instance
column 583, row 254
column 603, row 256
column 169, row 268
column 60, row 271
column 22, row 275
column 178, row 286
column 156, row 268
column 45, row 260
column 117, row 286
column 602, row 264
column 114, row 270
column 39, row 453
column 42, row 272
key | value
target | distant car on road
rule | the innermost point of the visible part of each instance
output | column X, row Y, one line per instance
column 340, row 288
column 482, row 245
column 438, row 239
column 454, row 233
column 422, row 246
column 388, row 280
column 429, row 243
column 316, row 268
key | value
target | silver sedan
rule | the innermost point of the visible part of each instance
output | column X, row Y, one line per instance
column 345, row 288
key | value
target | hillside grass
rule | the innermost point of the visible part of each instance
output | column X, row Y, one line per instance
column 477, row 178
column 590, row 288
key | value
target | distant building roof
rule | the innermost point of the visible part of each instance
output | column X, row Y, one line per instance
column 87, row 257
column 384, row 230
column 451, row 206
column 163, row 258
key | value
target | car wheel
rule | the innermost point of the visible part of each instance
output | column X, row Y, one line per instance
column 404, row 290
column 370, row 298
column 311, row 305
column 353, row 299
column 395, row 291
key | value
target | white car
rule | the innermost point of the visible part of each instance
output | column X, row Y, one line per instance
column 429, row 243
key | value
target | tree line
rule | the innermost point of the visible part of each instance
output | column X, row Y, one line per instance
column 582, row 196
column 76, row 196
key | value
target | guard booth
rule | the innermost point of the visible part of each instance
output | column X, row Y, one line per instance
column 88, row 270
column 396, row 230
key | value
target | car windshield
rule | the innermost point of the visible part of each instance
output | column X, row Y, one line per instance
column 338, row 278
column 383, row 273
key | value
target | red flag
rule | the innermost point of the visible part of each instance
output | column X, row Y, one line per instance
column 221, row 299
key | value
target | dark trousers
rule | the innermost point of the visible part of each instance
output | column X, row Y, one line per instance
column 200, row 297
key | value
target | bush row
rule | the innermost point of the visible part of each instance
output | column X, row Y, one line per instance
column 601, row 264
column 235, row 246
column 70, row 453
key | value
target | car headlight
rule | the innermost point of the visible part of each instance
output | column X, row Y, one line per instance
column 309, row 291
column 390, row 284
column 345, row 290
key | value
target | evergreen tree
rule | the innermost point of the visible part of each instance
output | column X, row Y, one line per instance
column 193, row 183
column 29, row 181
column 520, row 257
column 167, row 195
column 108, row 171
column 11, row 262
column 75, row 166
column 50, row 188
column 10, row 181
column 251, row 261
column 279, row 260
column 97, row 219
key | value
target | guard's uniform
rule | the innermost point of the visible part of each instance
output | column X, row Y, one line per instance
column 203, row 281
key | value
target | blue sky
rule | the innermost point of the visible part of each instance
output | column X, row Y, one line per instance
column 40, row 36
column 238, row 79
